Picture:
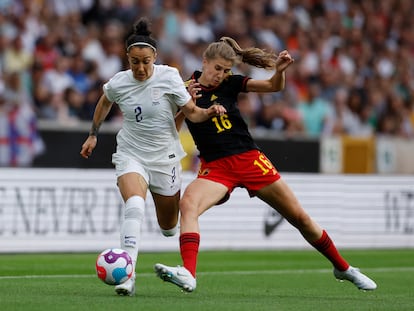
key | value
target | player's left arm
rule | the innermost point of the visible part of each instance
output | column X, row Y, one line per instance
column 277, row 81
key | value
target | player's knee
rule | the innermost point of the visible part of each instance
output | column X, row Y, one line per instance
column 186, row 205
column 303, row 222
column 134, row 208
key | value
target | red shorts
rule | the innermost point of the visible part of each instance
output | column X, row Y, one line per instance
column 251, row 170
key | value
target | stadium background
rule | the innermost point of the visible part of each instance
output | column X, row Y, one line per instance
column 347, row 107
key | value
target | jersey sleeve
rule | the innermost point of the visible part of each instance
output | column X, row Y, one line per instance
column 109, row 91
column 238, row 83
column 178, row 90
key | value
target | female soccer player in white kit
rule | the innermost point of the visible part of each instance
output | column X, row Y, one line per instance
column 148, row 149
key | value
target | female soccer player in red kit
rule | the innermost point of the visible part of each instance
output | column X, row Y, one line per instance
column 230, row 158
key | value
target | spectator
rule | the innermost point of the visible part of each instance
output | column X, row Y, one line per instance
column 20, row 142
column 196, row 28
column 351, row 115
column 46, row 51
column 16, row 59
column 314, row 111
column 395, row 119
column 79, row 74
column 74, row 101
column 340, row 43
column 113, row 48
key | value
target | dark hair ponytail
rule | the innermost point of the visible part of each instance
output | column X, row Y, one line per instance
column 141, row 36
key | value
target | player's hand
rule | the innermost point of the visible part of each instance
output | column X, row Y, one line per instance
column 216, row 110
column 193, row 88
column 283, row 61
column 88, row 146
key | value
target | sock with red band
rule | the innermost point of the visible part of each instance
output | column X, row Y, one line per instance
column 189, row 243
column 326, row 247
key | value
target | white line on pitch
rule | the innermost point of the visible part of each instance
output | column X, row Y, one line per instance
column 274, row 272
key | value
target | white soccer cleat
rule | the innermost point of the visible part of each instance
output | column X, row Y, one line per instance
column 179, row 276
column 353, row 275
column 127, row 288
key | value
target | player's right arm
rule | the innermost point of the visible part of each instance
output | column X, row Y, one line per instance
column 193, row 112
column 101, row 111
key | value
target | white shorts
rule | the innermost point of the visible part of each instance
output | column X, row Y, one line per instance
column 161, row 179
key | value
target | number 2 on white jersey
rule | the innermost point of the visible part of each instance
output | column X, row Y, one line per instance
column 138, row 114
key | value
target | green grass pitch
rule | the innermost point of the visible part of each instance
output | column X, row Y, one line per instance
column 226, row 280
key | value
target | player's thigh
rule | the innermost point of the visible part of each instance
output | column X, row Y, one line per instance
column 131, row 184
column 279, row 196
column 200, row 195
column 132, row 176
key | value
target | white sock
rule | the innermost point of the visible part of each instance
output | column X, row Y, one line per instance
column 169, row 232
column 131, row 226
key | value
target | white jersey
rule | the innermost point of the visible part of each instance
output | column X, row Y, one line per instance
column 148, row 133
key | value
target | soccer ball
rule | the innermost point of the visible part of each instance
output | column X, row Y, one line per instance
column 114, row 266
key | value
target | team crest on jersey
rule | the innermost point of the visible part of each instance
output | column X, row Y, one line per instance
column 155, row 94
column 204, row 172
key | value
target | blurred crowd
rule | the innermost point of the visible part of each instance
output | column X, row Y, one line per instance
column 353, row 72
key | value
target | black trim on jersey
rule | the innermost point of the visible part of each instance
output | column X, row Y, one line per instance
column 219, row 137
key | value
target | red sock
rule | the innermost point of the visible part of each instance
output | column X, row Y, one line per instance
column 189, row 243
column 326, row 246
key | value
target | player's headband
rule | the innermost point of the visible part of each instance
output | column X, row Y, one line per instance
column 142, row 43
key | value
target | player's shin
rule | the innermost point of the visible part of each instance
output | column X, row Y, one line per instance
column 189, row 245
column 131, row 226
